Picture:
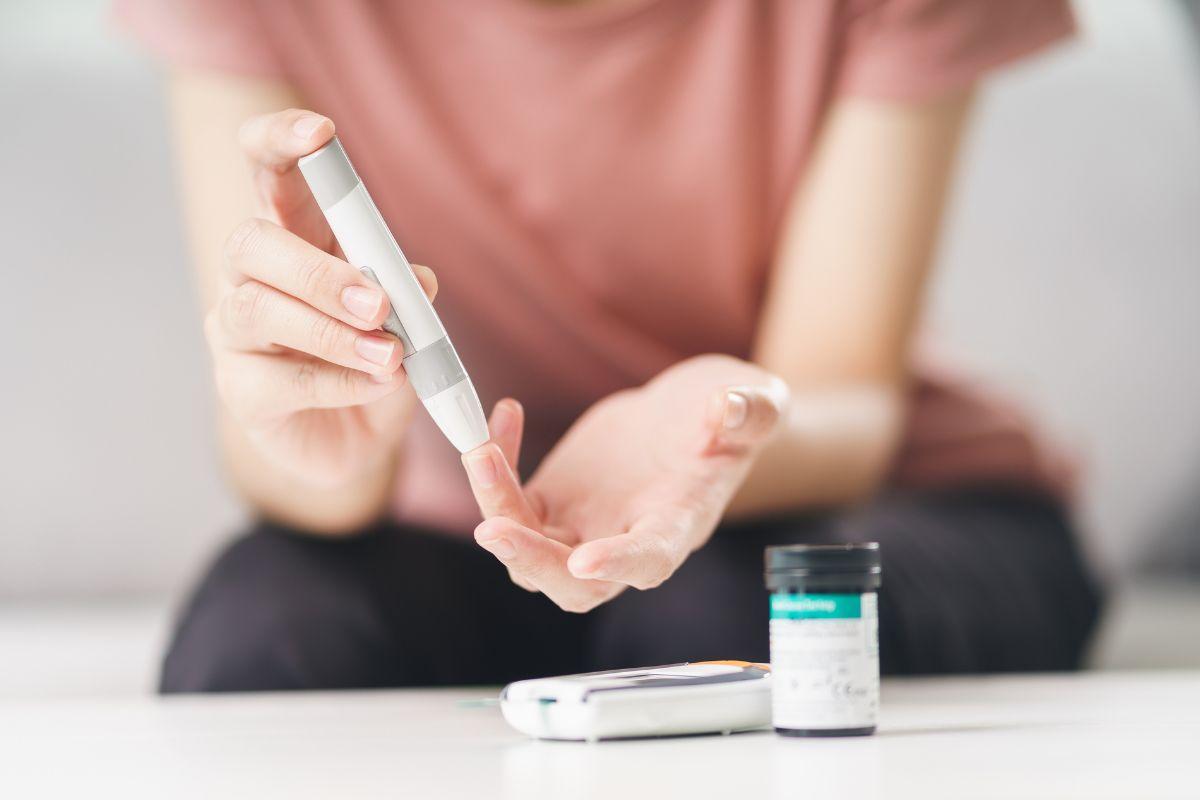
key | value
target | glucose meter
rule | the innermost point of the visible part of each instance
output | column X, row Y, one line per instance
column 675, row 699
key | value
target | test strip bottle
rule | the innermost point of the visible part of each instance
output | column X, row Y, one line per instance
column 824, row 638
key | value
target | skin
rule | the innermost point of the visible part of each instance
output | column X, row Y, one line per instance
column 314, row 403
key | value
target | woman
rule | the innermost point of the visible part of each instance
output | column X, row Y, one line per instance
column 692, row 238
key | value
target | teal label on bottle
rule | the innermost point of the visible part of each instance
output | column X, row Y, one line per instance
column 816, row 606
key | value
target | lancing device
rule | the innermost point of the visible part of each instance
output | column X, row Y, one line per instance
column 433, row 366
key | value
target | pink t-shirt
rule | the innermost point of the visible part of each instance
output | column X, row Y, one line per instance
column 600, row 185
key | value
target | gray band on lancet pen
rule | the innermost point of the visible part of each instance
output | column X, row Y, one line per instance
column 434, row 368
column 330, row 175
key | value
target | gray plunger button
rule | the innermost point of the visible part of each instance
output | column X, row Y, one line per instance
column 392, row 323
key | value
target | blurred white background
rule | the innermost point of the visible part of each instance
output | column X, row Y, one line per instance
column 1070, row 274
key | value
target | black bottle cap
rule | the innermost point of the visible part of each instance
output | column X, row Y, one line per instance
column 824, row 565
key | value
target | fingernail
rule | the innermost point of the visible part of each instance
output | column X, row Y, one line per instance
column 482, row 469
column 362, row 302
column 501, row 419
column 307, row 125
column 736, row 408
column 383, row 377
column 499, row 547
column 374, row 349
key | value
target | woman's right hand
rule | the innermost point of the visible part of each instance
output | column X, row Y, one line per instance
column 300, row 362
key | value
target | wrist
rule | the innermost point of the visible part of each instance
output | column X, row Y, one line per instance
column 321, row 506
column 833, row 448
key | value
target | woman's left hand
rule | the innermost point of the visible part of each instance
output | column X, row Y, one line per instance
column 636, row 485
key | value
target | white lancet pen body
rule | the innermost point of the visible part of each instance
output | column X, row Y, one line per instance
column 434, row 369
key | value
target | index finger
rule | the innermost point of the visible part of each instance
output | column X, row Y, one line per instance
column 275, row 141
column 263, row 251
column 496, row 487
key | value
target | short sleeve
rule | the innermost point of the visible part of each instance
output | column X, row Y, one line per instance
column 223, row 35
column 919, row 49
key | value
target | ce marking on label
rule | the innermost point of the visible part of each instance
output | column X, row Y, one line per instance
column 843, row 689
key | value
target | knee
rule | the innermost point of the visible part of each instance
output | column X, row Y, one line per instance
column 980, row 582
column 275, row 611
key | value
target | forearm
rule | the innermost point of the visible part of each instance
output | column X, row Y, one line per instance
column 855, row 249
column 833, row 447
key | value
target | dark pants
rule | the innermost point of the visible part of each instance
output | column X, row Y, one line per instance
column 975, row 581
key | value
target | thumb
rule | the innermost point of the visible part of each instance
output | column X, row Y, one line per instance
column 743, row 418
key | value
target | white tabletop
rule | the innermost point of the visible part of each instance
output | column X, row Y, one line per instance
column 1119, row 735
